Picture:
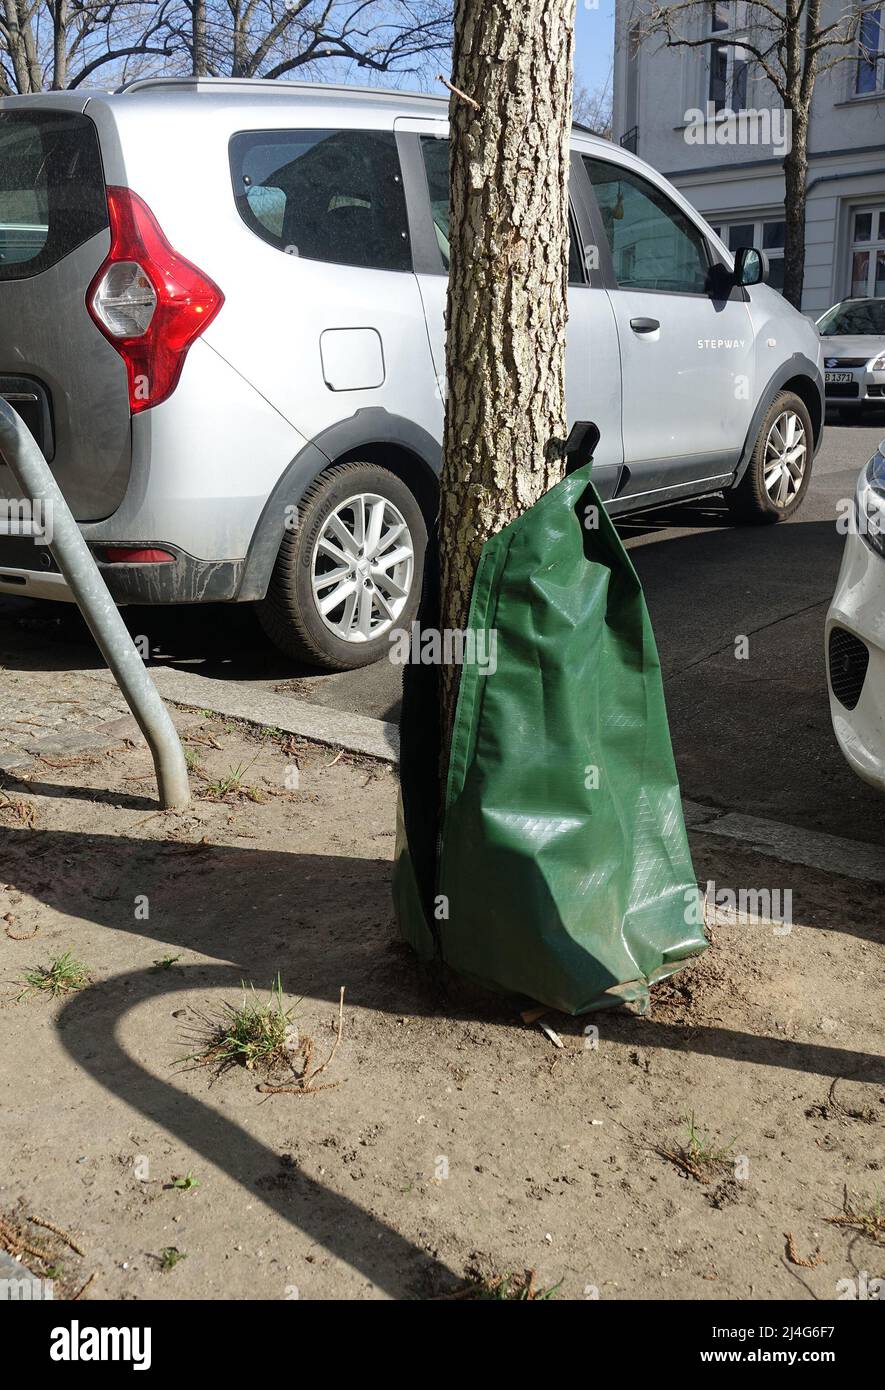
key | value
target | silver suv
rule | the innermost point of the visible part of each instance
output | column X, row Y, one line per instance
column 221, row 314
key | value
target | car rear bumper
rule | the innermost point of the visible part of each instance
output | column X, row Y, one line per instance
column 855, row 650
column 28, row 570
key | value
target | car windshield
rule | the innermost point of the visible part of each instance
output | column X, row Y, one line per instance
column 860, row 316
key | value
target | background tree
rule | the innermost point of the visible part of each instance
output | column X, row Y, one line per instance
column 70, row 43
column 593, row 109
column 506, row 314
column 790, row 43
column 56, row 44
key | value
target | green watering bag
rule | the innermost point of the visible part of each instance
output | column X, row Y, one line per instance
column 561, row 869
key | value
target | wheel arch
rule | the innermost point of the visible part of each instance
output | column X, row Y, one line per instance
column 800, row 375
column 370, row 436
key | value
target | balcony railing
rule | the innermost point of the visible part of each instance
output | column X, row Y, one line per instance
column 631, row 139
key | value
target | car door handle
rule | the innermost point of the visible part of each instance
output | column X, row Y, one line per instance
column 644, row 325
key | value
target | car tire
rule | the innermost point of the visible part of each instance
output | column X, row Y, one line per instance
column 777, row 476
column 322, row 559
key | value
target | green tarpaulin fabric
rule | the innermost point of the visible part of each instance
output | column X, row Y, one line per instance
column 561, row 869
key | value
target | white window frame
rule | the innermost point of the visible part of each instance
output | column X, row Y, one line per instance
column 737, row 29
column 877, row 56
column 721, row 226
column 874, row 246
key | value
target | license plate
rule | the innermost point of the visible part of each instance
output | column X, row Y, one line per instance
column 837, row 378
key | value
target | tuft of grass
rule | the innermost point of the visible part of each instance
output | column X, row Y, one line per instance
column 514, row 1288
column 255, row 1033
column 231, row 784
column 699, row 1157
column 864, row 1214
column 63, row 975
column 166, row 962
column 170, row 1257
column 700, row 1148
column 187, row 1183
column 192, row 759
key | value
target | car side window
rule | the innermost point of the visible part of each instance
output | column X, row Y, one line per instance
column 654, row 246
column 576, row 274
column 325, row 195
column 435, row 152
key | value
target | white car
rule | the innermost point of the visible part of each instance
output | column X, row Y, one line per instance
column 855, row 632
column 222, row 314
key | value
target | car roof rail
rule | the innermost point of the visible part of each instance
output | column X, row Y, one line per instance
column 266, row 84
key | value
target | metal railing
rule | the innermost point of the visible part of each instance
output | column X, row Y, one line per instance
column 630, row 139
column 21, row 453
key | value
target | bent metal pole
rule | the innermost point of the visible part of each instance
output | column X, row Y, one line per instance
column 20, row 451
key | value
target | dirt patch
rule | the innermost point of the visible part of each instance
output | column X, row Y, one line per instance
column 461, row 1147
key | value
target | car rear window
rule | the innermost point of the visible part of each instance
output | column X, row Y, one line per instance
column 326, row 195
column 52, row 195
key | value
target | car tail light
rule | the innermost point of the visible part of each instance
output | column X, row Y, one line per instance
column 148, row 301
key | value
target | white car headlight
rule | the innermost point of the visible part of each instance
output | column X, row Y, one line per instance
column 877, row 364
column 870, row 502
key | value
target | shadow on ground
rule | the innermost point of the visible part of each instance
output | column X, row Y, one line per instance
column 320, row 920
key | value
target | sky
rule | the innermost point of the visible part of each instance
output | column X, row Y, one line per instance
column 594, row 42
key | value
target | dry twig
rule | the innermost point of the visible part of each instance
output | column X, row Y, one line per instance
column 89, row 1282
column 57, row 1231
column 458, row 93
column 796, row 1259
column 303, row 1085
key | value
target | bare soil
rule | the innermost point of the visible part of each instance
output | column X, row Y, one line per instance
column 461, row 1143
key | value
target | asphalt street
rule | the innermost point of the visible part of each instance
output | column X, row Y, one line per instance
column 750, row 735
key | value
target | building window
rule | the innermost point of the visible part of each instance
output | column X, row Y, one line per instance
column 769, row 234
column 729, row 62
column 870, row 76
column 867, row 265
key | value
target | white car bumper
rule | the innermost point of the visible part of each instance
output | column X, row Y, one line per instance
column 855, row 645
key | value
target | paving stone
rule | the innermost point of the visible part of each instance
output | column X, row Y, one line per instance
column 13, row 762
column 126, row 727
column 76, row 741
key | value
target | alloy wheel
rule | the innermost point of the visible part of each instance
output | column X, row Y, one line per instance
column 786, row 456
column 362, row 568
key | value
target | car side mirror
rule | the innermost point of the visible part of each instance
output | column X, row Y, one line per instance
column 750, row 266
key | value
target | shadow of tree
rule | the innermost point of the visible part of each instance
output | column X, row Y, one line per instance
column 319, row 920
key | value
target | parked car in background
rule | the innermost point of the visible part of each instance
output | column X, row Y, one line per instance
column 228, row 338
column 854, row 355
column 855, row 631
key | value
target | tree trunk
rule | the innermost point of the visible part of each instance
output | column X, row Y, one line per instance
column 17, row 47
column 506, row 316
column 795, row 180
column 59, row 45
column 29, row 38
column 240, row 57
column 199, row 62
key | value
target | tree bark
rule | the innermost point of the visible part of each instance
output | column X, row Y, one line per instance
column 29, row 38
column 795, row 182
column 59, row 45
column 506, row 315
column 199, row 60
column 18, row 52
